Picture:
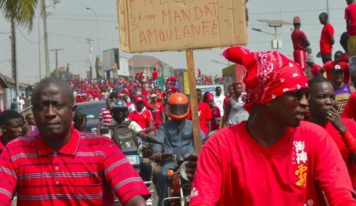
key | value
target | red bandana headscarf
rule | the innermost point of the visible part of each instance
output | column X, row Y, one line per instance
column 269, row 74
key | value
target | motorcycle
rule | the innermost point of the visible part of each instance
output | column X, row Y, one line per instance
column 179, row 186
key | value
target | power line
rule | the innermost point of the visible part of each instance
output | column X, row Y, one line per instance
column 28, row 40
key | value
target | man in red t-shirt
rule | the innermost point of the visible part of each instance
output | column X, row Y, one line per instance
column 313, row 69
column 350, row 17
column 327, row 38
column 274, row 157
column 300, row 43
column 142, row 116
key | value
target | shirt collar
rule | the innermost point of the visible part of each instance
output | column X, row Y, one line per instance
column 70, row 148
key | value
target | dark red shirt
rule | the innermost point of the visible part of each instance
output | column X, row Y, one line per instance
column 325, row 44
column 87, row 170
column 350, row 16
column 350, row 108
column 298, row 39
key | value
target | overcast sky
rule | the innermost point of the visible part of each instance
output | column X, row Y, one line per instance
column 69, row 24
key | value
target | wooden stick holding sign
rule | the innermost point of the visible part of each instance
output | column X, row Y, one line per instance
column 193, row 100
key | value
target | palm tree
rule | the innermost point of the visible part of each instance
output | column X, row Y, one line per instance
column 19, row 12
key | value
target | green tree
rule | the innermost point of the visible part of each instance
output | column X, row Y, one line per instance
column 19, row 12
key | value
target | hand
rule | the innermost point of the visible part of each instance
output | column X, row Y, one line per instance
column 157, row 156
column 191, row 165
column 318, row 55
column 333, row 116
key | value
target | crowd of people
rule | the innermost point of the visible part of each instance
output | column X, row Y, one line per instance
column 285, row 136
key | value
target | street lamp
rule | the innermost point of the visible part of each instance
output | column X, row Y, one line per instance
column 97, row 28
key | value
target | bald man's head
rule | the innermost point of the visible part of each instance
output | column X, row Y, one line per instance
column 43, row 84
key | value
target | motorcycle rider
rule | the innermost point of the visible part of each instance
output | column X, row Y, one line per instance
column 176, row 134
column 123, row 134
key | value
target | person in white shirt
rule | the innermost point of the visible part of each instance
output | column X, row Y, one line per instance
column 219, row 100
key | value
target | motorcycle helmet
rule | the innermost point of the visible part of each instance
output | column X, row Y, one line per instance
column 177, row 106
column 119, row 112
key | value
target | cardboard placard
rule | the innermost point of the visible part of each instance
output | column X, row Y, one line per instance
column 174, row 25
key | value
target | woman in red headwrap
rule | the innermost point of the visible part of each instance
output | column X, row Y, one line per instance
column 216, row 116
column 273, row 158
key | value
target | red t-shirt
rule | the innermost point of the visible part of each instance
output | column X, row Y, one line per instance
column 350, row 108
column 88, row 170
column 326, row 33
column 205, row 114
column 157, row 111
column 155, row 75
column 328, row 67
column 227, row 98
column 143, row 119
column 351, row 127
column 350, row 15
column 298, row 39
column 233, row 169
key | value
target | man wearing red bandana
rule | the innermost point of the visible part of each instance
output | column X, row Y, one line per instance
column 273, row 158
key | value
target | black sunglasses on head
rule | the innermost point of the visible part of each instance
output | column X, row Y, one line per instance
column 298, row 94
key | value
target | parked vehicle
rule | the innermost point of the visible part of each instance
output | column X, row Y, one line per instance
column 92, row 112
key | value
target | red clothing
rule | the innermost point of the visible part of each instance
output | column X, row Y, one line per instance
column 315, row 70
column 350, row 108
column 325, row 44
column 205, row 115
column 300, row 57
column 105, row 116
column 298, row 39
column 157, row 110
column 87, row 170
column 328, row 67
column 143, row 119
column 233, row 168
column 350, row 16
column 215, row 123
column 345, row 153
column 155, row 75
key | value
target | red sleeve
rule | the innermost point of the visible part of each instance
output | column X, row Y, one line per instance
column 350, row 108
column 330, row 169
column 207, row 182
column 330, row 30
column 130, row 116
column 8, row 178
column 123, row 178
column 341, row 198
column 149, row 116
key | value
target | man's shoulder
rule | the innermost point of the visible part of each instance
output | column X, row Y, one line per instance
column 310, row 131
column 22, row 143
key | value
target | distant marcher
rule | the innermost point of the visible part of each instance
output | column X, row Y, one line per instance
column 13, row 105
column 342, row 90
column 300, row 43
column 350, row 17
column 216, row 115
column 219, row 99
column 235, row 111
column 327, row 38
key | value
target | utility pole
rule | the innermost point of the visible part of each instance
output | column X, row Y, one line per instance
column 56, row 56
column 44, row 16
column 90, row 58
